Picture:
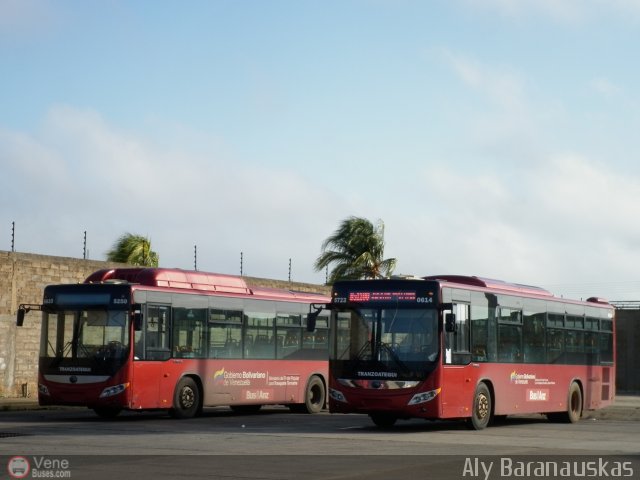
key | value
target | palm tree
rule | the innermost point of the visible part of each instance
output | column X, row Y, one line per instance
column 134, row 250
column 356, row 249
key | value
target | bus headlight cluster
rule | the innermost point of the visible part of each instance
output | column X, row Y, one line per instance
column 337, row 395
column 424, row 397
column 43, row 390
column 115, row 390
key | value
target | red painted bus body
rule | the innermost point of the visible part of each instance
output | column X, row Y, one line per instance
column 481, row 349
column 144, row 339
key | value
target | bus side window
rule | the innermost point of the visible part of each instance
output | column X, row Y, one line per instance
column 510, row 343
column 555, row 345
column 225, row 333
column 509, row 335
column 533, row 337
column 259, row 339
column 157, row 332
column 189, row 332
column 479, row 331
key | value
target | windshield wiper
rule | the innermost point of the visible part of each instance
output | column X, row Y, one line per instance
column 394, row 356
column 362, row 351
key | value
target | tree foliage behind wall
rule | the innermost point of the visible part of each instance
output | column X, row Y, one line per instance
column 356, row 251
column 134, row 250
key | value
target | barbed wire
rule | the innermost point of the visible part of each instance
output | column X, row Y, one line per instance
column 620, row 292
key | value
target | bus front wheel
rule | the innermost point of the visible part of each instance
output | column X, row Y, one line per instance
column 107, row 412
column 186, row 399
column 481, row 411
column 383, row 420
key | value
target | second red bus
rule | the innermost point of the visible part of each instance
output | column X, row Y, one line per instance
column 445, row 347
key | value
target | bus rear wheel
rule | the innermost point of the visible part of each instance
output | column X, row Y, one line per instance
column 574, row 407
column 186, row 399
column 481, row 410
column 314, row 397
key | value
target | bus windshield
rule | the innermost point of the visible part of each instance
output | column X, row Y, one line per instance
column 93, row 338
column 398, row 343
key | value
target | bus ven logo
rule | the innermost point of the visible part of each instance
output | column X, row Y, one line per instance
column 18, row 467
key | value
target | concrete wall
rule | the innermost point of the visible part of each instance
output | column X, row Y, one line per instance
column 23, row 277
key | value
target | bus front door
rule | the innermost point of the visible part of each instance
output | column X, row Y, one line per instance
column 152, row 382
column 458, row 379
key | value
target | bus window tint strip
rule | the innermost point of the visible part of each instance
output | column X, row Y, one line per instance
column 232, row 334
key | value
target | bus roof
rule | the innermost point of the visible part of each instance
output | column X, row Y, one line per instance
column 494, row 284
column 195, row 280
column 491, row 283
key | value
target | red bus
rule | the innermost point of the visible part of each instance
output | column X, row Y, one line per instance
column 145, row 338
column 458, row 347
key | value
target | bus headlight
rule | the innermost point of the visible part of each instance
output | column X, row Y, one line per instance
column 43, row 390
column 424, row 397
column 114, row 390
column 337, row 395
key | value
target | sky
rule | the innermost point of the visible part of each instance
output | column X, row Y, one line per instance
column 496, row 138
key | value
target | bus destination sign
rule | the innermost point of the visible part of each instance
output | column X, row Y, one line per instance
column 383, row 296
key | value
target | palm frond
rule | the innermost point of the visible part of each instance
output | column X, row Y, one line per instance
column 134, row 250
column 356, row 250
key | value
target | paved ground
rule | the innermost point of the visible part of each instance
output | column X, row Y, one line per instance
column 625, row 407
column 279, row 445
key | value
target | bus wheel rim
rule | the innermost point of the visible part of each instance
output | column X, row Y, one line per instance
column 482, row 409
column 187, row 398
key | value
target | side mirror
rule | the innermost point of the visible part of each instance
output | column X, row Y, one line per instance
column 137, row 321
column 312, row 317
column 137, row 318
column 23, row 309
column 450, row 324
column 20, row 320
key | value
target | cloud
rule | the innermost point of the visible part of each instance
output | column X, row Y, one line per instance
column 516, row 199
column 565, row 217
column 505, row 88
column 90, row 175
column 27, row 18
column 500, row 117
column 565, row 12
column 556, row 218
column 596, row 200
column 605, row 87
